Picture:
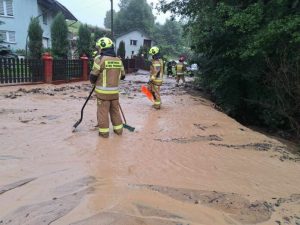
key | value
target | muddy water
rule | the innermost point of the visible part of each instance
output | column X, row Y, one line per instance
column 185, row 164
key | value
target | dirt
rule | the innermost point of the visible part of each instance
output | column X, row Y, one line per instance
column 185, row 164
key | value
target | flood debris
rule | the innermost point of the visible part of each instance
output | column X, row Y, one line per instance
column 197, row 138
column 14, row 185
column 116, row 218
column 255, row 146
column 237, row 206
column 155, row 212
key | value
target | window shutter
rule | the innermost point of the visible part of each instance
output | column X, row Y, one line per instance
column 1, row 7
column 9, row 7
column 12, row 36
column 2, row 35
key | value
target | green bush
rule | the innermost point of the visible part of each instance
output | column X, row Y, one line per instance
column 249, row 54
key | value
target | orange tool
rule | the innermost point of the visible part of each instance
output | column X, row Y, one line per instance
column 146, row 91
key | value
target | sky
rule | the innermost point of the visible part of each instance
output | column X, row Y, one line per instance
column 93, row 11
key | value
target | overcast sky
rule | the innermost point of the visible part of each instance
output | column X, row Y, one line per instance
column 93, row 11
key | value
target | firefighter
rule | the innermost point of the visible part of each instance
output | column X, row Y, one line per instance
column 180, row 70
column 169, row 69
column 156, row 76
column 105, row 75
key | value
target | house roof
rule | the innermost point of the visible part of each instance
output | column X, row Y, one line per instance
column 56, row 6
column 122, row 34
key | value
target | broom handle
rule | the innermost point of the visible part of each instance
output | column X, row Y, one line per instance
column 122, row 113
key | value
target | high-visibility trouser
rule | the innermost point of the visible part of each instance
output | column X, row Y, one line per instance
column 155, row 90
column 106, row 108
column 180, row 76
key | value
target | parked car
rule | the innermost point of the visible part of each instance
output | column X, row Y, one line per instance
column 192, row 69
column 5, row 52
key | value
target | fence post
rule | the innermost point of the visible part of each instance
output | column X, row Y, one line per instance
column 48, row 69
column 85, row 67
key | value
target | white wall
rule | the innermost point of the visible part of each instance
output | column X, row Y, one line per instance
column 134, row 35
column 23, row 11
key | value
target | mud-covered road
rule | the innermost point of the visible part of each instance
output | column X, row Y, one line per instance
column 185, row 164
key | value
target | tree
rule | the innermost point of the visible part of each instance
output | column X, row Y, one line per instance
column 84, row 41
column 107, row 19
column 144, row 52
column 135, row 14
column 124, row 3
column 170, row 38
column 59, row 36
column 121, row 50
column 35, row 36
column 250, row 55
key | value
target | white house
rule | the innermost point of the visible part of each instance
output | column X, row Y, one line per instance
column 133, row 41
column 16, row 15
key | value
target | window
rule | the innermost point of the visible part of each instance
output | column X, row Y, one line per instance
column 45, row 18
column 2, row 8
column 133, row 42
column 11, row 36
column 147, row 43
column 8, row 36
column 45, row 42
column 6, row 8
column 2, row 35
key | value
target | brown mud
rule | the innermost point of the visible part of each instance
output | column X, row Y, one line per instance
column 185, row 164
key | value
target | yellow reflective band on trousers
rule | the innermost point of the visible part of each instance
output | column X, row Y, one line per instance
column 103, row 130
column 118, row 127
column 156, row 65
column 158, row 80
column 113, row 64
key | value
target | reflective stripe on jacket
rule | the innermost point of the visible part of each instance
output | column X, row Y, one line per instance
column 156, row 71
column 109, row 70
column 180, row 68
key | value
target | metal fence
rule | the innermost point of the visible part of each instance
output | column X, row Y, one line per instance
column 67, row 69
column 132, row 65
column 14, row 70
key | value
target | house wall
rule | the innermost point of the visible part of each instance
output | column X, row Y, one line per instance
column 134, row 35
column 23, row 10
column 46, row 26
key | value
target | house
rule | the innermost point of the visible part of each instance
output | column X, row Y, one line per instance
column 16, row 15
column 133, row 40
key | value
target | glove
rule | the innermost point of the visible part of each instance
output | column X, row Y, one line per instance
column 93, row 78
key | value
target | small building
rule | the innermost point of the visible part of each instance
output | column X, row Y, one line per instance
column 133, row 40
column 16, row 15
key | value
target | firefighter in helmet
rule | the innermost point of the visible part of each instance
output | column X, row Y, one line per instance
column 105, row 75
column 180, row 70
column 156, row 76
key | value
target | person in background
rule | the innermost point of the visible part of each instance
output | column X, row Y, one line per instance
column 156, row 76
column 180, row 70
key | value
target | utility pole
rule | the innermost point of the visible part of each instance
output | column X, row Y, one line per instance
column 112, row 19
